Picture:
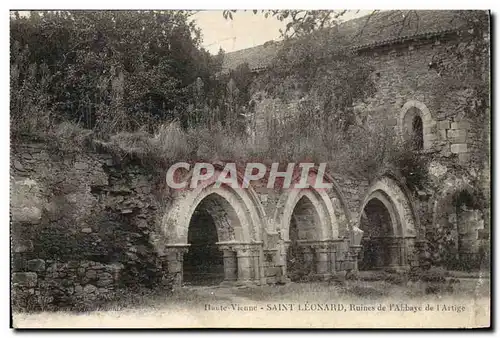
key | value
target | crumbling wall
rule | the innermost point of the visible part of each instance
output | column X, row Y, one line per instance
column 80, row 221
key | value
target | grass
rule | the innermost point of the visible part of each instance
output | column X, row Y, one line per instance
column 187, row 307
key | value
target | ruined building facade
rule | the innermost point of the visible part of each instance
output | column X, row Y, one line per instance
column 261, row 236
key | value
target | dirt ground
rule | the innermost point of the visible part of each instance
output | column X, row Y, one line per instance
column 357, row 304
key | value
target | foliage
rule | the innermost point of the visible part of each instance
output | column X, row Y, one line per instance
column 321, row 72
column 299, row 22
column 109, row 71
column 466, row 65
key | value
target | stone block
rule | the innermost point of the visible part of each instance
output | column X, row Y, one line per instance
column 18, row 165
column 105, row 279
column 430, row 130
column 457, row 135
column 114, row 267
column 430, row 137
column 460, row 125
column 464, row 158
column 81, row 166
column 87, row 230
column 459, row 148
column 483, row 234
column 28, row 279
column 36, row 265
column 91, row 274
column 89, row 288
column 442, row 134
column 23, row 246
column 78, row 289
column 392, row 122
column 443, row 125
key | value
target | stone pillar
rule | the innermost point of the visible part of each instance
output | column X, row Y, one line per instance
column 245, row 260
column 355, row 251
column 423, row 254
column 284, row 261
column 230, row 264
column 321, row 252
column 395, row 249
column 173, row 258
column 308, row 254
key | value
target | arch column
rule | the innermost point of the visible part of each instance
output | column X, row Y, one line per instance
column 285, row 245
column 172, row 260
column 241, row 262
column 321, row 251
column 230, row 263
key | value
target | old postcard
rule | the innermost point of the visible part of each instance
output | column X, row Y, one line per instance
column 250, row 169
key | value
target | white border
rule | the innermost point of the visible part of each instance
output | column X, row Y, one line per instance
column 148, row 4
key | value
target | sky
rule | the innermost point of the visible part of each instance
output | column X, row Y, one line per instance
column 244, row 31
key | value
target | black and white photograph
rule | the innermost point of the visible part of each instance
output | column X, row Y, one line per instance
column 250, row 168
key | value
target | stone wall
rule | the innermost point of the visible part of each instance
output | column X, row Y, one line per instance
column 80, row 221
column 455, row 130
column 73, row 285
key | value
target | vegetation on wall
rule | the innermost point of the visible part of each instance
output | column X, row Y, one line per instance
column 110, row 71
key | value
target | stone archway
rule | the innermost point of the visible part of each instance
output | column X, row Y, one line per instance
column 238, row 219
column 313, row 225
column 213, row 221
column 305, row 228
column 415, row 125
column 380, row 229
column 459, row 238
column 389, row 222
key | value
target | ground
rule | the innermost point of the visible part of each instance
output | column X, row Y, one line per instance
column 320, row 304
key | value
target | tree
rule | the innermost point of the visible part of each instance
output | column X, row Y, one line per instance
column 112, row 70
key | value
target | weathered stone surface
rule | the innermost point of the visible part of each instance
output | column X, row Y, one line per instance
column 445, row 124
column 459, row 148
column 28, row 279
column 81, row 165
column 91, row 274
column 114, row 267
column 26, row 202
column 18, row 165
column 460, row 125
column 105, row 279
column 23, row 246
column 124, row 198
column 78, row 289
column 36, row 265
column 89, row 288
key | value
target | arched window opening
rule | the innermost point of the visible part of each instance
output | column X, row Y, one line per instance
column 418, row 133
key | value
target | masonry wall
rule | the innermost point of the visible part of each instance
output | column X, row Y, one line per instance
column 81, row 226
column 455, row 130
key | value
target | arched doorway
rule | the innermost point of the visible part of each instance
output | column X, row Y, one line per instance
column 459, row 223
column 304, row 227
column 389, row 224
column 237, row 217
column 203, row 263
column 214, row 220
column 376, row 224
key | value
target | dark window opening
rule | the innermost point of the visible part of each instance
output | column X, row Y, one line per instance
column 418, row 133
